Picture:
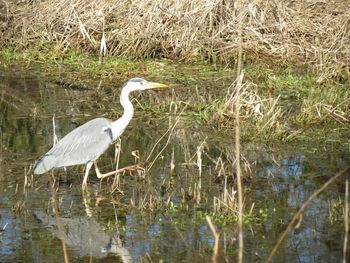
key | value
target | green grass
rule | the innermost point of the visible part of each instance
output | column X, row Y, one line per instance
column 295, row 106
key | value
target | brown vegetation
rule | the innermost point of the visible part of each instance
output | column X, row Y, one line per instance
column 313, row 32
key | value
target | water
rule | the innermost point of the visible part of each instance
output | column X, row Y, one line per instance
column 155, row 216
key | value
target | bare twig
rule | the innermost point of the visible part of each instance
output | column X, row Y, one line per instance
column 237, row 139
column 168, row 131
column 55, row 139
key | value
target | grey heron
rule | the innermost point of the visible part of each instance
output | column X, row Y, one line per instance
column 85, row 144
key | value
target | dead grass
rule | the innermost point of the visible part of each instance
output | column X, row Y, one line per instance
column 266, row 113
column 313, row 32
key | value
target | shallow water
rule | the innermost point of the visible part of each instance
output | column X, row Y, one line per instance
column 157, row 216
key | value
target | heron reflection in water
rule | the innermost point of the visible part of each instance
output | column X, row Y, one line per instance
column 84, row 236
column 85, row 144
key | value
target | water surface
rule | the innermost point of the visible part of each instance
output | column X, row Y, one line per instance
column 158, row 215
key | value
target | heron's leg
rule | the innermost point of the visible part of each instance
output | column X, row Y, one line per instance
column 121, row 170
column 87, row 169
column 101, row 176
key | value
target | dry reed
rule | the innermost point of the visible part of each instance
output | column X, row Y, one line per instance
column 312, row 32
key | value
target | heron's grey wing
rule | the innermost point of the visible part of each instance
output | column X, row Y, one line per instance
column 83, row 144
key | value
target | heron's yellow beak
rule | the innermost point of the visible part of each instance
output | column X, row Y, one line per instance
column 158, row 85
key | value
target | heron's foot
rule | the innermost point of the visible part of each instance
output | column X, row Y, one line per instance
column 131, row 169
column 101, row 175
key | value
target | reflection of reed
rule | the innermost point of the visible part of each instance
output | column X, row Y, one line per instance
column 214, row 258
column 346, row 219
column 1, row 163
column 14, row 98
column 54, row 190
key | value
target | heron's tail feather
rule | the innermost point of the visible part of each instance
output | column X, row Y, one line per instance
column 45, row 164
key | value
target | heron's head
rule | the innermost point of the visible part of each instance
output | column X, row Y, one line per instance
column 142, row 84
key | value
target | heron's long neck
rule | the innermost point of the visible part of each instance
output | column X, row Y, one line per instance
column 119, row 125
